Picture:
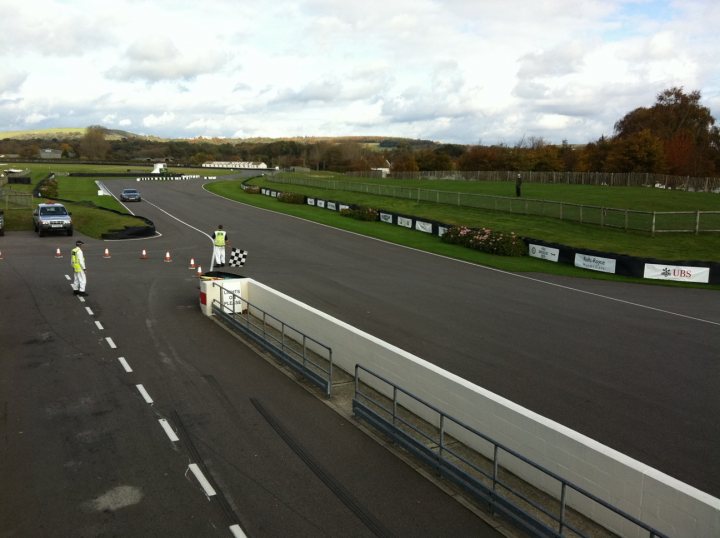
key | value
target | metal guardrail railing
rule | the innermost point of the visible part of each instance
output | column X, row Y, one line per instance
column 626, row 219
column 494, row 486
column 10, row 199
column 288, row 344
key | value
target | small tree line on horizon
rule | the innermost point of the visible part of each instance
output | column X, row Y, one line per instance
column 676, row 135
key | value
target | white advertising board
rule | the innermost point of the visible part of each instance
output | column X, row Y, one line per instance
column 595, row 263
column 681, row 273
column 544, row 253
column 404, row 221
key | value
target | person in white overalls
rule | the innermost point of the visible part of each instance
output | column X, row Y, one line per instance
column 219, row 240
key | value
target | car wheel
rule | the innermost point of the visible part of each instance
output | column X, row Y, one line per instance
column 40, row 232
column 70, row 232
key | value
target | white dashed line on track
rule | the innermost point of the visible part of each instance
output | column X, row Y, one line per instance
column 68, row 277
column 125, row 364
column 110, row 343
column 99, row 325
column 168, row 430
column 144, row 394
column 207, row 488
column 89, row 311
column 237, row 532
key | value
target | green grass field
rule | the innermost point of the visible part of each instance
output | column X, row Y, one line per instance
column 674, row 246
column 420, row 241
column 668, row 247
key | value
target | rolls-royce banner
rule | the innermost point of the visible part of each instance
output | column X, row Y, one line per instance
column 681, row 273
column 595, row 263
column 543, row 252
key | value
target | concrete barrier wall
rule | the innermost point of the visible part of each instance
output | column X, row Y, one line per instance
column 659, row 500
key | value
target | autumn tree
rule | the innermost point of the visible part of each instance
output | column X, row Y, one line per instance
column 429, row 159
column 403, row 161
column 637, row 152
column 685, row 127
column 93, row 145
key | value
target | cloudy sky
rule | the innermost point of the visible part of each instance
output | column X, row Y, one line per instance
column 463, row 71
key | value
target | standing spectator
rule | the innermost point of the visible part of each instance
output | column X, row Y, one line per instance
column 77, row 260
column 219, row 239
column 518, row 186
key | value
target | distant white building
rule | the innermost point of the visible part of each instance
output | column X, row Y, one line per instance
column 50, row 154
column 383, row 171
column 159, row 168
column 234, row 164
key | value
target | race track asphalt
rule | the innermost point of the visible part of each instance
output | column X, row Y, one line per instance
column 631, row 366
column 85, row 384
column 634, row 367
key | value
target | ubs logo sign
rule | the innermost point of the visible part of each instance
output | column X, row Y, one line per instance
column 677, row 272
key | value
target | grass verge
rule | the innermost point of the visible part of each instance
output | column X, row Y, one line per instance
column 398, row 235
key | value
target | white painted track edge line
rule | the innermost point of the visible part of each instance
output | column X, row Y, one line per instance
column 207, row 487
column 168, row 430
column 125, row 364
column 237, row 532
column 144, row 394
column 501, row 271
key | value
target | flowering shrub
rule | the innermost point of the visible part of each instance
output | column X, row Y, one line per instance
column 252, row 189
column 360, row 213
column 291, row 198
column 485, row 240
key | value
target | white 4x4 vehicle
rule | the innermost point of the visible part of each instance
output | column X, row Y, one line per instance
column 52, row 218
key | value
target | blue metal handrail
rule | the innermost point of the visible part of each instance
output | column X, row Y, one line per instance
column 238, row 315
column 467, row 480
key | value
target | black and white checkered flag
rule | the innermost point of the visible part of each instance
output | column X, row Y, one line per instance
column 237, row 257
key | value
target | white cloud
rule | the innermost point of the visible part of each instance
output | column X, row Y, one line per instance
column 11, row 81
column 154, row 120
column 451, row 70
column 34, row 118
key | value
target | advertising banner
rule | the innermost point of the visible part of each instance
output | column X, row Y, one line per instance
column 595, row 263
column 386, row 217
column 543, row 252
column 404, row 221
column 423, row 226
column 677, row 272
column 311, row 201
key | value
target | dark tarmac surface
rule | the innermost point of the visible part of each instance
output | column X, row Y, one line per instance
column 633, row 367
column 82, row 453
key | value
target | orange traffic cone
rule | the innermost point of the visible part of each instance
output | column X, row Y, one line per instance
column 143, row 255
column 58, row 254
column 1, row 255
column 192, row 263
column 199, row 272
column 167, row 257
column 107, row 253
